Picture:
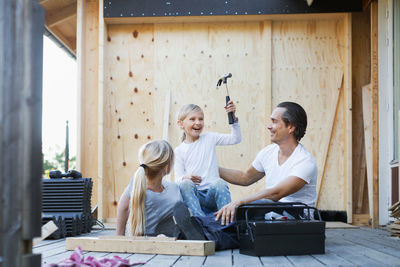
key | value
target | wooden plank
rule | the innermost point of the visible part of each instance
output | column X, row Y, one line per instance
column 275, row 261
column 21, row 58
column 88, row 59
column 339, row 225
column 375, row 113
column 331, row 259
column 186, row 261
column 368, row 139
column 328, row 142
column 178, row 247
column 303, row 260
column 236, row 18
column 47, row 230
column 162, row 260
column 220, row 258
column 361, row 184
column 361, row 219
column 137, row 257
column 59, row 15
column 347, row 85
column 244, row 260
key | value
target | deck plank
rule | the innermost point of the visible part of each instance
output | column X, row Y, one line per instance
column 245, row 260
column 332, row 259
column 162, row 260
column 190, row 261
column 275, row 261
column 140, row 257
column 304, row 260
column 220, row 258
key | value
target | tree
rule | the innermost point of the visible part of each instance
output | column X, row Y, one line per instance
column 56, row 162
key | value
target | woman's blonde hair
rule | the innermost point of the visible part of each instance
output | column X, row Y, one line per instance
column 154, row 157
column 185, row 110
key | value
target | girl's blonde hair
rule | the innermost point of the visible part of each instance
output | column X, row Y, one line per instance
column 154, row 157
column 185, row 110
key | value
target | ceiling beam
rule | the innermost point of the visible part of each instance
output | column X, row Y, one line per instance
column 59, row 15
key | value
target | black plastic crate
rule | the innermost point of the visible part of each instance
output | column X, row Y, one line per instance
column 300, row 234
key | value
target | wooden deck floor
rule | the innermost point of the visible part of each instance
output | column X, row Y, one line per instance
column 351, row 247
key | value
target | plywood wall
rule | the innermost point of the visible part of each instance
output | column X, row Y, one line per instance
column 271, row 61
column 307, row 67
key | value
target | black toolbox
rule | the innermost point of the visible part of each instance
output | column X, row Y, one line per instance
column 296, row 234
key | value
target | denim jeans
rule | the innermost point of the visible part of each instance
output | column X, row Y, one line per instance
column 205, row 202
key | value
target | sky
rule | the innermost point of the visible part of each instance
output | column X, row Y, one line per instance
column 59, row 99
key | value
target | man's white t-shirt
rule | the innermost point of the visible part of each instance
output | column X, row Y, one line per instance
column 300, row 164
column 199, row 158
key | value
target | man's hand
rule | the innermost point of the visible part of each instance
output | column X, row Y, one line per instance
column 227, row 212
column 194, row 178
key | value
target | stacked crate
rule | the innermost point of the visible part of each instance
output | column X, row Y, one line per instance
column 395, row 226
column 66, row 201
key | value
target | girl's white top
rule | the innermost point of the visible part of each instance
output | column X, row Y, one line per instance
column 199, row 158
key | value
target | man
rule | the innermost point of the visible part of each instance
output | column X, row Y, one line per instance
column 290, row 170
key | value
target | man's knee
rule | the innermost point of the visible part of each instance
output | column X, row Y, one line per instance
column 220, row 185
column 187, row 186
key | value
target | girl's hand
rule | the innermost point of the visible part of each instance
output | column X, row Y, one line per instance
column 230, row 107
column 194, row 178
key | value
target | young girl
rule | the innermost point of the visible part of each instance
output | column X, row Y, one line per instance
column 196, row 166
column 148, row 201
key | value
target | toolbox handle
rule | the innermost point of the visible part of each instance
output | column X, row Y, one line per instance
column 248, row 226
column 286, row 205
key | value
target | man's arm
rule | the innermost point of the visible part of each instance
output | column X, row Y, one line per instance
column 290, row 185
column 122, row 214
column 250, row 176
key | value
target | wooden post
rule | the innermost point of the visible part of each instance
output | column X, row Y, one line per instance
column 375, row 113
column 21, row 56
column 88, row 57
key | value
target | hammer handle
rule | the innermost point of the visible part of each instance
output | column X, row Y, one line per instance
column 230, row 114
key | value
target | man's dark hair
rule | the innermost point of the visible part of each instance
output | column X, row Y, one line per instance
column 296, row 116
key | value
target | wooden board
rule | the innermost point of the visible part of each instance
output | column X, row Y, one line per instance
column 339, row 225
column 150, row 246
column 361, row 74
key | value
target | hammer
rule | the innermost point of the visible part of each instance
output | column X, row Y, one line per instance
column 221, row 80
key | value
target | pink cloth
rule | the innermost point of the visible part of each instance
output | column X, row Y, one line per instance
column 77, row 259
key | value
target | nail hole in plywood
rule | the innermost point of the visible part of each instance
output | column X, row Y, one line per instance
column 142, row 56
column 116, row 111
column 152, row 39
column 118, row 58
column 124, row 163
column 119, row 137
column 131, row 103
column 136, row 136
column 130, row 74
column 135, row 34
column 109, row 38
column 149, row 137
column 149, row 93
column 111, row 78
column 147, row 120
column 119, row 120
column 136, row 90
column 115, row 203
